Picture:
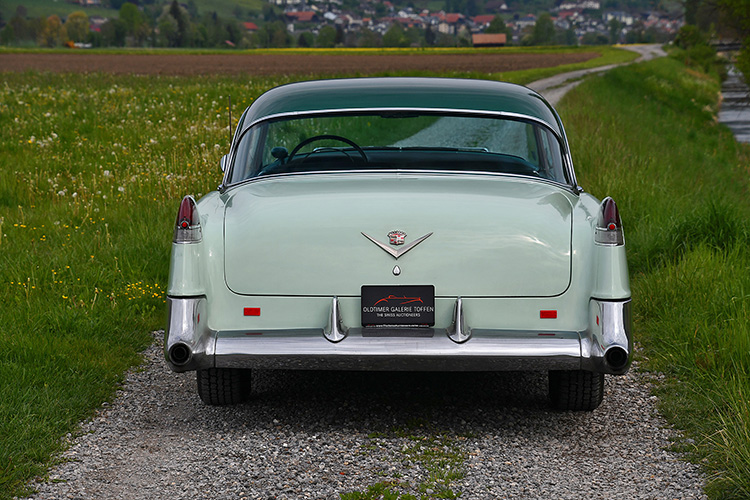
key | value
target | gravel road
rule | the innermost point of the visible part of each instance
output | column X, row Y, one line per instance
column 320, row 434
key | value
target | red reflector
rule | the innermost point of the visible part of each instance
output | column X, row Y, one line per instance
column 252, row 311
column 548, row 314
column 547, row 334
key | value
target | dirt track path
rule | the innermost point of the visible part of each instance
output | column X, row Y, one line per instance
column 555, row 87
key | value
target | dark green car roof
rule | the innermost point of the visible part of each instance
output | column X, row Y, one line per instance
column 422, row 93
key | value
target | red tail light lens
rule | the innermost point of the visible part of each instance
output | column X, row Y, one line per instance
column 609, row 225
column 187, row 226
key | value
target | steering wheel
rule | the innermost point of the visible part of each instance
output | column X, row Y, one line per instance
column 324, row 137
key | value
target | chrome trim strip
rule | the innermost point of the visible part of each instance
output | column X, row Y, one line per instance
column 393, row 252
column 473, row 112
column 446, row 173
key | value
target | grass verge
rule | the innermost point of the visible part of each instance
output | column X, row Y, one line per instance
column 647, row 136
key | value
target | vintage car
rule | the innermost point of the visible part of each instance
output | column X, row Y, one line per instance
column 421, row 224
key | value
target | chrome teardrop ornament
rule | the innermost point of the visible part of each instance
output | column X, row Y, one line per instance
column 396, row 271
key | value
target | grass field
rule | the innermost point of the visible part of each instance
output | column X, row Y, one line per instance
column 607, row 54
column 92, row 168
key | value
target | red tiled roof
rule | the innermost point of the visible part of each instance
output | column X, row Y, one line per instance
column 484, row 19
column 303, row 17
column 488, row 39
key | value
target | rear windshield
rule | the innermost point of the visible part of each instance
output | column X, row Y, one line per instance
column 398, row 140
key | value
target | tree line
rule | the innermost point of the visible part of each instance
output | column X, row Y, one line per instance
column 170, row 25
column 716, row 19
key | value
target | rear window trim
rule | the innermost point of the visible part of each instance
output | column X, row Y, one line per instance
column 567, row 162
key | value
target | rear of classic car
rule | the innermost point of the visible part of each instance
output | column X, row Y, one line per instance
column 382, row 269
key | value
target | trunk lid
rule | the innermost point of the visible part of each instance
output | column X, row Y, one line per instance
column 491, row 236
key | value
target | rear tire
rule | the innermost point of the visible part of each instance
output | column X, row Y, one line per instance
column 576, row 390
column 223, row 386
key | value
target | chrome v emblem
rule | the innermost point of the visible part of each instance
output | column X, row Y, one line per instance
column 401, row 251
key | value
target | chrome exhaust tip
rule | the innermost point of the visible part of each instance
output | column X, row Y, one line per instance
column 617, row 358
column 180, row 354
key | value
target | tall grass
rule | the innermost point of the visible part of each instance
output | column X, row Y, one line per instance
column 647, row 135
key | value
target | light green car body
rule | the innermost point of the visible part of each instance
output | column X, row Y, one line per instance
column 521, row 281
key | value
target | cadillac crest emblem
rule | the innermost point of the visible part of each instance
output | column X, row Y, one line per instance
column 397, row 237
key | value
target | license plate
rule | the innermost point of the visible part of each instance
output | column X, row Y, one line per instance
column 398, row 305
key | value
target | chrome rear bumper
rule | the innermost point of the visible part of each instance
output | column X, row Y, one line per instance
column 606, row 346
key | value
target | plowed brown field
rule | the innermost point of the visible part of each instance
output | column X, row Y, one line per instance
column 276, row 64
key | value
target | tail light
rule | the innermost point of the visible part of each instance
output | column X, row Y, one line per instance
column 609, row 225
column 187, row 227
